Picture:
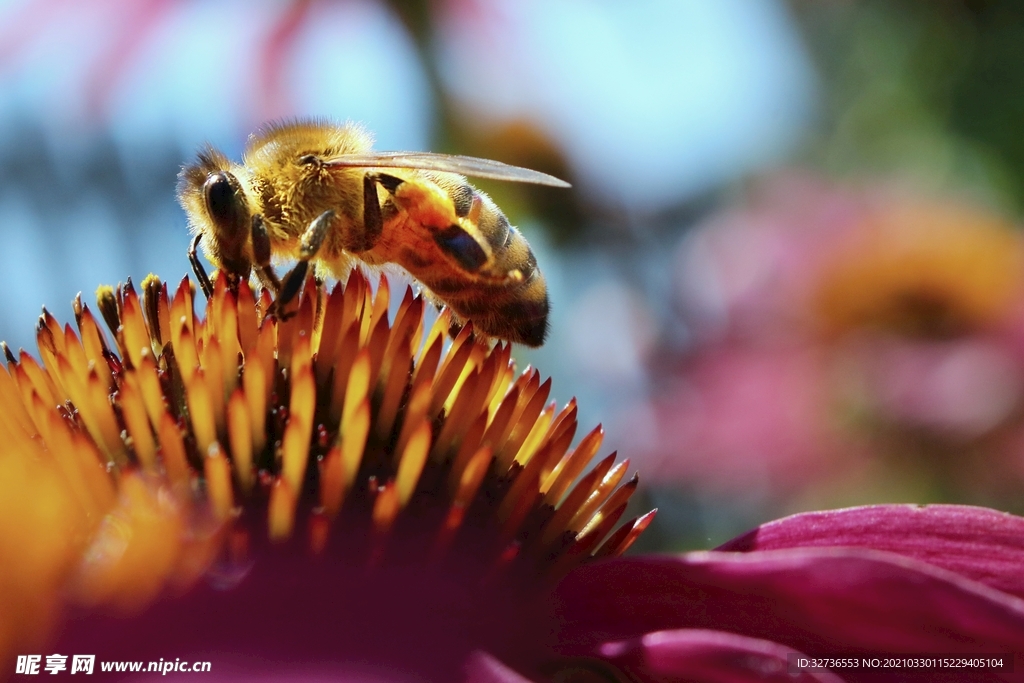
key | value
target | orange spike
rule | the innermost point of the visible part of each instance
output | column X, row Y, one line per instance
column 402, row 326
column 295, row 443
column 385, row 508
column 333, row 330
column 523, row 424
column 342, row 366
column 281, row 511
column 365, row 317
column 466, row 408
column 266, row 342
column 525, row 486
column 559, row 523
column 426, row 367
column 472, row 476
column 94, row 343
column 536, row 436
column 149, row 384
column 563, row 427
column 502, row 381
column 94, row 471
column 438, row 332
column 568, row 468
column 10, row 396
column 240, row 440
column 53, row 331
column 39, row 380
column 358, row 384
column 248, row 326
column 513, row 405
column 212, row 363
column 136, row 422
column 74, row 354
column 109, row 435
column 583, row 544
column 616, row 501
column 332, row 482
column 451, row 369
column 185, row 352
column 468, row 485
column 154, row 297
column 600, row 493
column 382, row 301
column 172, row 447
column 229, row 342
column 470, row 444
column 200, row 410
column 218, row 482
column 133, row 326
column 415, row 411
column 71, row 464
column 354, row 432
column 46, row 341
column 410, row 466
column 501, row 424
column 624, row 537
column 394, row 390
column 254, row 384
column 376, row 346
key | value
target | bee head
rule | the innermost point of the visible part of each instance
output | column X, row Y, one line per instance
column 217, row 207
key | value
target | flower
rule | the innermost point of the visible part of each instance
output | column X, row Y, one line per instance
column 324, row 496
column 849, row 584
column 436, row 491
column 851, row 345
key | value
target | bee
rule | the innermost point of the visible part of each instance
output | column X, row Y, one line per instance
column 313, row 191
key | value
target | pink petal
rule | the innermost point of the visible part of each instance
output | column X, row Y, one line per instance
column 706, row 656
column 979, row 543
column 483, row 668
column 822, row 601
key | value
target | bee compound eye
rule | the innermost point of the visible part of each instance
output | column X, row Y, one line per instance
column 221, row 200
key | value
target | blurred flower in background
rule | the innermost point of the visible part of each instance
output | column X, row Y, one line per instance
column 850, row 345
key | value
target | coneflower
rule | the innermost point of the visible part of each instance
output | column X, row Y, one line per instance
column 420, row 471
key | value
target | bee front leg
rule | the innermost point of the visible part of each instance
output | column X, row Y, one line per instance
column 261, row 255
column 311, row 241
column 198, row 269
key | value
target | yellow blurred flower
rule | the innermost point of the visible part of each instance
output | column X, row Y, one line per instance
column 922, row 269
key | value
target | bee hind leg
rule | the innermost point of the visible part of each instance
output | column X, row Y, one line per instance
column 311, row 241
column 198, row 269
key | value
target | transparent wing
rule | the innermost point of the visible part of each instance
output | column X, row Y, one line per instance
column 450, row 163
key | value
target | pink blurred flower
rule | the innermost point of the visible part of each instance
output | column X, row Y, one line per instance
column 847, row 336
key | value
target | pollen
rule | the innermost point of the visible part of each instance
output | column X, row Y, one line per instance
column 138, row 458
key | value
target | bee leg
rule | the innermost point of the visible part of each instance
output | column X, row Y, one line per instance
column 309, row 245
column 261, row 254
column 373, row 218
column 198, row 269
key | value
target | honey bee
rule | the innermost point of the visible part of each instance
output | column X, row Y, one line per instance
column 313, row 191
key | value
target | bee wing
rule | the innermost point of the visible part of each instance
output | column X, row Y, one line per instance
column 450, row 163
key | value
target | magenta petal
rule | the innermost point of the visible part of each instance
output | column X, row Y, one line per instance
column 483, row 668
column 822, row 601
column 979, row 543
column 705, row 656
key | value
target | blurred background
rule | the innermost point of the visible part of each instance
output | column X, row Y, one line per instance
column 789, row 274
